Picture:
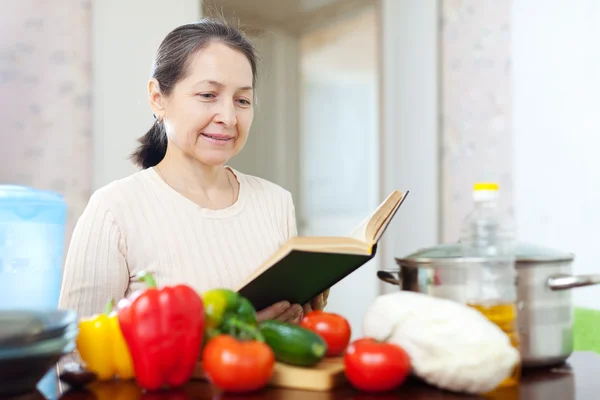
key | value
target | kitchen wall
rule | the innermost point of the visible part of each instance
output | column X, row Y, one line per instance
column 476, row 105
column 45, row 98
column 520, row 83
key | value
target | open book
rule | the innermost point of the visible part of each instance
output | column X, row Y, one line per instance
column 304, row 267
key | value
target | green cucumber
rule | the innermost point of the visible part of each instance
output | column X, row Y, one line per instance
column 293, row 344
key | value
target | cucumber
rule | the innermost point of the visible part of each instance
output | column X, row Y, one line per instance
column 293, row 344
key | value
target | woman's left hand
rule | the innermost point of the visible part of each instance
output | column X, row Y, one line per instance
column 318, row 303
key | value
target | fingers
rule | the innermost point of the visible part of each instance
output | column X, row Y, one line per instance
column 307, row 309
column 292, row 315
column 317, row 303
column 273, row 311
column 325, row 297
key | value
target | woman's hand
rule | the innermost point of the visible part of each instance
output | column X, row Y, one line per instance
column 282, row 311
column 318, row 303
column 292, row 313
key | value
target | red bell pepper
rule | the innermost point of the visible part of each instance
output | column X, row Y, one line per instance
column 164, row 330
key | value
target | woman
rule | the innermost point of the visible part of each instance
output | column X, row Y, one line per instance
column 186, row 217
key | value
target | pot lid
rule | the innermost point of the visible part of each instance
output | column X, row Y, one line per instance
column 526, row 253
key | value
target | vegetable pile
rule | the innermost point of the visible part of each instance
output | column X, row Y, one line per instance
column 156, row 337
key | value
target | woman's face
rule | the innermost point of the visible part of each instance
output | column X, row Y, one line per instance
column 208, row 115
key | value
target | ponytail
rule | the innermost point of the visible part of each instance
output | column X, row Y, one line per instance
column 152, row 148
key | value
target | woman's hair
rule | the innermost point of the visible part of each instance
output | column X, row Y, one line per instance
column 170, row 66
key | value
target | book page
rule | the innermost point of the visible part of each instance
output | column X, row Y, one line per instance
column 372, row 227
column 360, row 232
column 383, row 215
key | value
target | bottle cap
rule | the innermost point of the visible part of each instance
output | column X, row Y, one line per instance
column 485, row 186
column 485, row 191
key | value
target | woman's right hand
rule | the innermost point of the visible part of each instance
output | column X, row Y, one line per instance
column 282, row 311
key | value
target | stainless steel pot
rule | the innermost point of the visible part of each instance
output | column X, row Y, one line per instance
column 544, row 280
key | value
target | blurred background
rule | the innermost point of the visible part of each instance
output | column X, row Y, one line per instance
column 356, row 98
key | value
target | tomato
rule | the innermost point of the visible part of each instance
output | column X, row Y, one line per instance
column 376, row 366
column 333, row 328
column 238, row 366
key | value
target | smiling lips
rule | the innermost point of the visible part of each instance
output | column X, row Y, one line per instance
column 217, row 138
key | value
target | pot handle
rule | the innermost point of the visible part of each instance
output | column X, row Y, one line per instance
column 563, row 282
column 388, row 277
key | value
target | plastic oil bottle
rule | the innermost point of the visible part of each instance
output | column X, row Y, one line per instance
column 489, row 235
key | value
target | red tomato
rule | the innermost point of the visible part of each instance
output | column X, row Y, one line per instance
column 238, row 366
column 376, row 366
column 333, row 328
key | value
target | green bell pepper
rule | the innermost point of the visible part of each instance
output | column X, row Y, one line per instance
column 225, row 310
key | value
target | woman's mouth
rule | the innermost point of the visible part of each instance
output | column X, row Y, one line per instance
column 217, row 139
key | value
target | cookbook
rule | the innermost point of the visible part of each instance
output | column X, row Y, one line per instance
column 304, row 267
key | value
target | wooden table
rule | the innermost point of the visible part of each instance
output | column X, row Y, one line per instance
column 578, row 379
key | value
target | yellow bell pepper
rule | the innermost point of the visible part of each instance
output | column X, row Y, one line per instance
column 101, row 346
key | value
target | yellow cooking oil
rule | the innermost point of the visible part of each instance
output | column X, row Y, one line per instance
column 505, row 316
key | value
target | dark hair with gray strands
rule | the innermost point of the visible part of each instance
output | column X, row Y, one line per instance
column 170, row 66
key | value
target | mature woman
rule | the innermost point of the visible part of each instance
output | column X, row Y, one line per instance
column 186, row 216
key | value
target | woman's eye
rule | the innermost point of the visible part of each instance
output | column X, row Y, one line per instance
column 244, row 102
column 207, row 95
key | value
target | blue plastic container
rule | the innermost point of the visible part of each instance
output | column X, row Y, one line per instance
column 32, row 237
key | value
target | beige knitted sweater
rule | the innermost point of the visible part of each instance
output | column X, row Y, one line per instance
column 141, row 223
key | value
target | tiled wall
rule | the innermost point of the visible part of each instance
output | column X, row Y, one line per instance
column 476, row 104
column 45, row 98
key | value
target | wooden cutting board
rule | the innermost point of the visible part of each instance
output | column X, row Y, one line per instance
column 326, row 375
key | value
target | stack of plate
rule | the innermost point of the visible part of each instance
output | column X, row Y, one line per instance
column 31, row 343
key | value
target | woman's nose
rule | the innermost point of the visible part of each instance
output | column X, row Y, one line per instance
column 227, row 115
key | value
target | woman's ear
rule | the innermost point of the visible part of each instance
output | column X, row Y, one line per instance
column 156, row 99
